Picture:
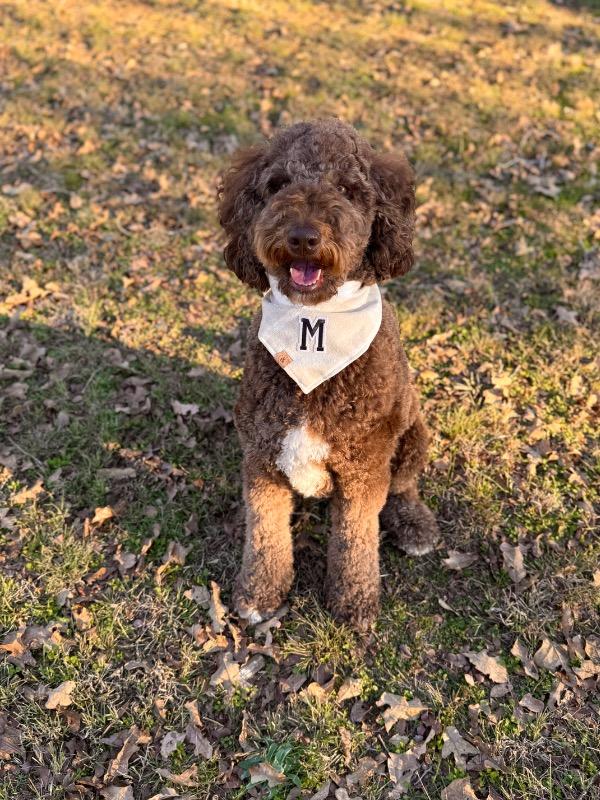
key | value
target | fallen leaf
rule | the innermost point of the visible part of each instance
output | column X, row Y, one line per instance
column 460, row 789
column 566, row 315
column 366, row 769
column 500, row 689
column 101, row 514
column 531, row 703
column 169, row 743
column 227, row 673
column 202, row 747
column 592, row 648
column 184, row 409
column 457, row 560
column 174, row 554
column 399, row 708
column 18, row 651
column 549, row 656
column 61, row 696
column 587, row 669
column 513, row 561
column 250, row 669
column 322, row 793
column 117, row 793
column 351, row 687
column 402, row 767
column 520, row 651
column 455, row 745
column 216, row 609
column 120, row 763
column 28, row 493
column 10, row 740
column 117, row 473
column 187, row 778
column 198, row 594
column 81, row 617
column 293, row 682
column 264, row 771
column 488, row 665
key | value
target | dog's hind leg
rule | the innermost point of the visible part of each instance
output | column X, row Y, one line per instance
column 405, row 517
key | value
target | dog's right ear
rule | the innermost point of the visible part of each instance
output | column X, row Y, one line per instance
column 238, row 202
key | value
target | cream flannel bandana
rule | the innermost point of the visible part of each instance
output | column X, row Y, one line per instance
column 313, row 343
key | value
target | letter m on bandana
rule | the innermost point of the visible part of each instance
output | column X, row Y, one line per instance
column 312, row 333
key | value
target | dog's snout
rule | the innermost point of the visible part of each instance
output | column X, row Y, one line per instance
column 303, row 239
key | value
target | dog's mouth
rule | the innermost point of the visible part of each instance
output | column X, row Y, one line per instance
column 306, row 275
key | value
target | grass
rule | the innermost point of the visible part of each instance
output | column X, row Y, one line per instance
column 116, row 120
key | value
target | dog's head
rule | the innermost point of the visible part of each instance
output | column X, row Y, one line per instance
column 314, row 207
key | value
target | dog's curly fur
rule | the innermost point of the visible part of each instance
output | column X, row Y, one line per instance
column 362, row 204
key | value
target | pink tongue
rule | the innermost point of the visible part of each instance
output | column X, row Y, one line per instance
column 305, row 274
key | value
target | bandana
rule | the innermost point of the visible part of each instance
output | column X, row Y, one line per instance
column 314, row 343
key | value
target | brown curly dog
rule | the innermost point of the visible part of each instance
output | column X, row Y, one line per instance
column 312, row 210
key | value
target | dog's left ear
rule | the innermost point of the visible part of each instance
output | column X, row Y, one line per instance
column 390, row 252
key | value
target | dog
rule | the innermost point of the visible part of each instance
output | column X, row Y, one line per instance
column 317, row 219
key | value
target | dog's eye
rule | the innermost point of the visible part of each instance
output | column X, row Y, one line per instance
column 342, row 189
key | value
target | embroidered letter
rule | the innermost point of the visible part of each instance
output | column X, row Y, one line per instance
column 314, row 329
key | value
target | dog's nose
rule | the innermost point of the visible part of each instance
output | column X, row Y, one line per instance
column 303, row 239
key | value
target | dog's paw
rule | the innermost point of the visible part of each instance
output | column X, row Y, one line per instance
column 356, row 606
column 412, row 526
column 254, row 607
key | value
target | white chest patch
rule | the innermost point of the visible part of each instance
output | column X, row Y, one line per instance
column 301, row 458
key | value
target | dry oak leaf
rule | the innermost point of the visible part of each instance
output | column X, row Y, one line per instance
column 174, row 554
column 117, row 793
column 18, row 651
column 520, row 651
column 227, row 673
column 61, row 696
column 402, row 766
column 198, row 594
column 184, row 409
column 216, row 609
column 350, row 688
column 28, row 494
column 592, row 648
column 513, row 556
column 550, row 656
column 266, row 772
column 81, row 617
column 101, row 514
column 455, row 745
column 10, row 740
column 460, row 789
column 120, row 763
column 169, row 743
column 202, row 747
column 399, row 708
column 488, row 665
column 457, row 560
column 531, row 703
column 322, row 792
column 188, row 777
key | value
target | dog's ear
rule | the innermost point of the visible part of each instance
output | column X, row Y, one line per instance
column 238, row 202
column 390, row 252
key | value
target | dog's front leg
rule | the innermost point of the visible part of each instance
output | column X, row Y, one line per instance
column 353, row 581
column 267, row 566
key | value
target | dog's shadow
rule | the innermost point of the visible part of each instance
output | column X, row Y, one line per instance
column 100, row 423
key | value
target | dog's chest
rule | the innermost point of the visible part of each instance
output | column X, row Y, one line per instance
column 302, row 458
